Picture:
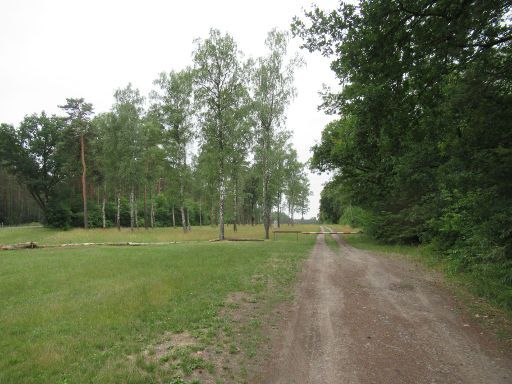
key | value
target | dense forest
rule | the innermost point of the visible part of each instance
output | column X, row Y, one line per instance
column 208, row 145
column 422, row 149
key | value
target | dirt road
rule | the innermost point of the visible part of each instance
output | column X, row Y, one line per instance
column 364, row 318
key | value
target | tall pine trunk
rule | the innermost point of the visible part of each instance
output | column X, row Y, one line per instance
column 152, row 214
column 173, row 218
column 200, row 214
column 84, row 182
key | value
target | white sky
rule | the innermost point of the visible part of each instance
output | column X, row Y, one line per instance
column 54, row 49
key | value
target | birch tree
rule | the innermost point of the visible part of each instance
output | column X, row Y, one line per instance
column 294, row 171
column 108, row 161
column 219, row 83
column 273, row 90
column 152, row 156
column 129, row 109
column 175, row 110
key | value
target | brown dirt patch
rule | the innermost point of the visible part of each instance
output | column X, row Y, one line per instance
column 168, row 342
column 362, row 318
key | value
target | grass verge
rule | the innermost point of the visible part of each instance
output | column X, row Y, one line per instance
column 11, row 235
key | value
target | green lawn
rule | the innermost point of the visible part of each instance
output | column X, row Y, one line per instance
column 87, row 314
column 77, row 235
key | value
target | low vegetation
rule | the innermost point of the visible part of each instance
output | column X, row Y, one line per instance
column 44, row 235
column 111, row 315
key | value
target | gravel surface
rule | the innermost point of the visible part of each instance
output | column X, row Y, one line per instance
column 361, row 317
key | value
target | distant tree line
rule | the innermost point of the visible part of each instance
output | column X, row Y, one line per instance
column 208, row 146
column 422, row 149
column 17, row 206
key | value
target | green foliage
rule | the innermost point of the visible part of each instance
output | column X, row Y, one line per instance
column 356, row 217
column 33, row 154
column 231, row 111
column 58, row 215
column 423, row 140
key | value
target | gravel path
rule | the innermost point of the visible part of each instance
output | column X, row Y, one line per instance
column 363, row 318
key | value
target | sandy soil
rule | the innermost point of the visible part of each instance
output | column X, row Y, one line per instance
column 361, row 317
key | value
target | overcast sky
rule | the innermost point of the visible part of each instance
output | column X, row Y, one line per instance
column 51, row 50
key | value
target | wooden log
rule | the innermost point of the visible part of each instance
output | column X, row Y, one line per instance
column 10, row 247
column 331, row 233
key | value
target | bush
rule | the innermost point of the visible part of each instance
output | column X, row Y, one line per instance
column 58, row 215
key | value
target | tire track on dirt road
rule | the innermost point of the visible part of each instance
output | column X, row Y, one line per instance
column 360, row 317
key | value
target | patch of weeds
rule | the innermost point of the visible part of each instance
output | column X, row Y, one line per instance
column 165, row 358
column 188, row 361
column 233, row 349
column 331, row 243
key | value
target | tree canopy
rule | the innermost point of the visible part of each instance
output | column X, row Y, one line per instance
column 187, row 148
column 423, row 143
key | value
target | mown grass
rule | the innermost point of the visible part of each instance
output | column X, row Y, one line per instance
column 81, row 315
column 98, row 235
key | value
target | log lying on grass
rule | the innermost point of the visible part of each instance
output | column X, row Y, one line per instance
column 233, row 239
column 10, row 247
column 331, row 233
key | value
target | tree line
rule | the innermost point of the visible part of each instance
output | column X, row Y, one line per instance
column 208, row 145
column 421, row 151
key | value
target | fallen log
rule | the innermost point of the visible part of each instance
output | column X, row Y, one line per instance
column 234, row 239
column 10, row 247
column 331, row 233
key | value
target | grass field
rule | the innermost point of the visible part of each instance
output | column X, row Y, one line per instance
column 77, row 235
column 93, row 314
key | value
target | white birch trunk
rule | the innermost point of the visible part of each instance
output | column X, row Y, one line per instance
column 222, row 190
column 235, row 206
column 266, row 203
column 118, row 212
column 183, row 218
column 136, row 212
column 131, row 209
column 104, row 220
column 152, row 213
